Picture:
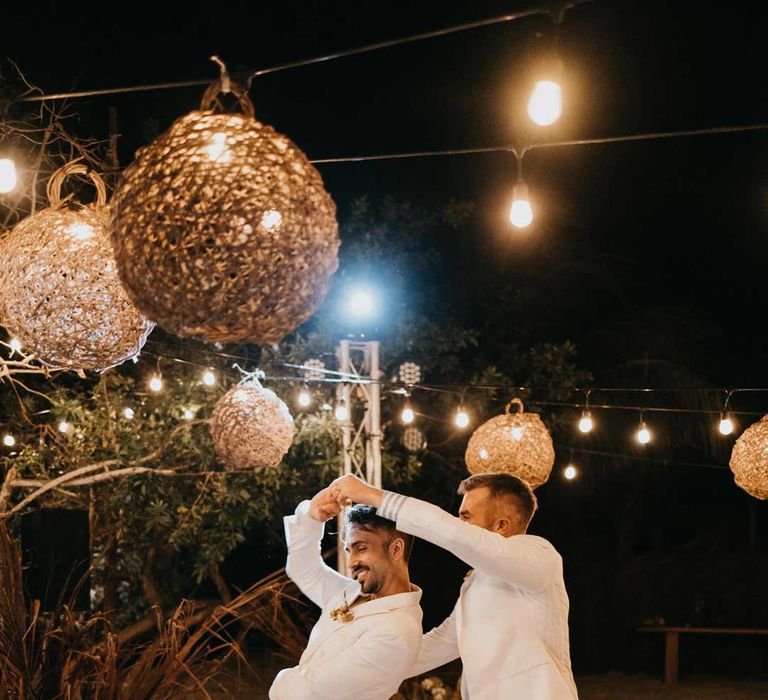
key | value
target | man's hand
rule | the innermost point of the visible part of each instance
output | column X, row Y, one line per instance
column 324, row 506
column 350, row 489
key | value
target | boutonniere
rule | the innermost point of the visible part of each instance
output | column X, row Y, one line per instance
column 342, row 614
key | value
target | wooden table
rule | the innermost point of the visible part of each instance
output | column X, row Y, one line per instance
column 672, row 649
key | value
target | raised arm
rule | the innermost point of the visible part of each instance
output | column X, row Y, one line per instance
column 305, row 565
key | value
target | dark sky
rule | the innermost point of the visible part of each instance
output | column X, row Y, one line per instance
column 683, row 220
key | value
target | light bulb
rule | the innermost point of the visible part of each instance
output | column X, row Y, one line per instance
column 217, row 149
column 361, row 303
column 517, row 433
column 7, row 175
column 726, row 425
column 9, row 440
column 585, row 424
column 521, row 214
column 209, row 377
column 483, row 454
column 187, row 414
column 271, row 219
column 643, row 435
column 407, row 415
column 341, row 412
column 15, row 345
column 156, row 383
column 545, row 104
column 304, row 398
column 570, row 472
column 64, row 427
column 462, row 418
column 128, row 413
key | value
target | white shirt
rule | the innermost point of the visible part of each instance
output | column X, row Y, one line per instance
column 365, row 659
column 510, row 623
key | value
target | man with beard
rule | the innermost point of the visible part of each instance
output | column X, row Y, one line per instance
column 369, row 632
column 510, row 623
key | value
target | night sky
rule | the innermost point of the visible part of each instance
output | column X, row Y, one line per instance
column 680, row 223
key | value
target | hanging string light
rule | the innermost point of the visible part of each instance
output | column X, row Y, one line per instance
column 726, row 426
column 128, row 413
column 8, row 176
column 341, row 412
column 155, row 383
column 545, row 104
column 407, row 416
column 64, row 427
column 570, row 472
column 521, row 213
column 187, row 413
column 585, row 422
column 462, row 417
column 304, row 398
column 9, row 440
column 643, row 435
column 209, row 377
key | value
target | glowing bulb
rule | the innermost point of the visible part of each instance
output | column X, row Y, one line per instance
column 217, row 150
column 341, row 412
column 7, row 175
column 546, row 103
column 726, row 425
column 15, row 345
column 521, row 214
column 271, row 219
column 209, row 377
column 9, row 440
column 517, row 433
column 187, row 414
column 64, row 427
column 407, row 415
column 462, row 418
column 156, row 383
column 128, row 413
column 483, row 453
column 304, row 398
column 570, row 472
column 643, row 435
column 361, row 303
column 585, row 424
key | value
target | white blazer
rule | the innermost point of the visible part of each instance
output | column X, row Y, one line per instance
column 365, row 659
column 510, row 623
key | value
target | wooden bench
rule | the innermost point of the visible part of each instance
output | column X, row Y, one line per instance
column 672, row 649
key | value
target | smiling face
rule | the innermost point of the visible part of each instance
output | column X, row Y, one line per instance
column 371, row 555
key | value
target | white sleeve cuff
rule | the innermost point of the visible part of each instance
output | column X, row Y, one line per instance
column 391, row 503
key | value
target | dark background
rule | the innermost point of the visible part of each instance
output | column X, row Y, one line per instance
column 652, row 255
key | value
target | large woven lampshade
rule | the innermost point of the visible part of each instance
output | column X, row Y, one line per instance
column 60, row 294
column 251, row 427
column 749, row 460
column 222, row 228
column 518, row 443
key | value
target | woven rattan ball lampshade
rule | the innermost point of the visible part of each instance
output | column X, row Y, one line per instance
column 517, row 443
column 223, row 230
column 749, row 460
column 251, row 427
column 414, row 439
column 60, row 294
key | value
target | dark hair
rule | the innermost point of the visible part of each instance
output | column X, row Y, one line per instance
column 365, row 517
column 501, row 485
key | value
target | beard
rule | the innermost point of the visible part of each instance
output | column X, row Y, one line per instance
column 370, row 583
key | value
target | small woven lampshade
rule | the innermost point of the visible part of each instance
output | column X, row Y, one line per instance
column 251, row 427
column 223, row 230
column 749, row 460
column 414, row 439
column 517, row 443
column 59, row 289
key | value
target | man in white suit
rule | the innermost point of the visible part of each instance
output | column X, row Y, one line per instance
column 510, row 623
column 369, row 632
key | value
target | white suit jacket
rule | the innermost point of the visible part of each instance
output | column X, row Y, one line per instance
column 510, row 623
column 365, row 659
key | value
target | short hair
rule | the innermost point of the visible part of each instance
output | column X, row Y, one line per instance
column 500, row 485
column 365, row 517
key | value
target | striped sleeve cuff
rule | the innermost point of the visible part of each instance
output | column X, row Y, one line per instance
column 391, row 503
